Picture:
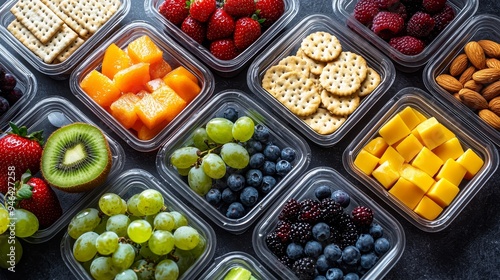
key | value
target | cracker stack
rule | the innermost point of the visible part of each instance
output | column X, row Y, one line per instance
column 321, row 83
column 55, row 29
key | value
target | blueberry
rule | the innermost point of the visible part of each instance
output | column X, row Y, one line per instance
column 313, row 249
column 288, row 154
column 268, row 183
column 334, row 273
column 229, row 113
column 228, row 196
column 322, row 264
column 381, row 246
column 219, row 184
column 332, row 252
column 342, row 198
column 376, row 230
column 283, row 167
column 294, row 251
column 321, row 231
column 365, row 243
column 235, row 210
column 4, row 105
column 254, row 146
column 254, row 177
column 261, row 133
column 322, row 192
column 351, row 276
column 351, row 255
column 272, row 152
column 249, row 196
column 269, row 168
column 256, row 160
column 368, row 260
column 213, row 196
column 236, row 182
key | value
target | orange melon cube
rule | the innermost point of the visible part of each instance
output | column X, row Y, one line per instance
column 100, row 88
column 154, row 84
column 133, row 78
column 123, row 109
column 150, row 111
column 115, row 59
column 137, row 125
column 159, row 69
column 144, row 133
column 183, row 85
column 181, row 70
column 143, row 49
column 170, row 100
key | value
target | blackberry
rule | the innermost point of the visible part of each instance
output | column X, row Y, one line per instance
column 283, row 231
column 349, row 238
column 300, row 232
column 290, row 210
column 330, row 210
column 285, row 260
column 343, row 221
column 304, row 268
column 275, row 245
column 362, row 216
column 335, row 236
column 310, row 211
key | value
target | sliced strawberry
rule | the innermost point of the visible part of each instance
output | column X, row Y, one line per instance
column 246, row 31
column 224, row 49
column 202, row 9
column 194, row 29
column 174, row 11
column 220, row 25
column 240, row 8
column 270, row 10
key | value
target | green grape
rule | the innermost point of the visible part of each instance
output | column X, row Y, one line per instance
column 139, row 231
column 235, row 155
column 213, row 166
column 106, row 243
column 4, row 220
column 132, row 205
column 101, row 227
column 143, row 269
column 161, row 242
column 201, row 139
column 86, row 220
column 102, row 268
column 185, row 259
column 179, row 219
column 243, row 129
column 164, row 221
column 166, row 270
column 84, row 248
column 184, row 157
column 198, row 181
column 26, row 223
column 8, row 257
column 183, row 171
column 124, row 207
column 200, row 247
column 110, row 204
column 150, row 219
column 220, row 130
column 150, row 202
column 123, row 257
column 118, row 224
column 127, row 274
column 146, row 253
column 186, row 238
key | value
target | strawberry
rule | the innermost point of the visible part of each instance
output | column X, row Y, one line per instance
column 202, row 9
column 174, row 11
column 220, row 25
column 194, row 29
column 19, row 151
column 224, row 49
column 270, row 10
column 246, row 31
column 36, row 196
column 239, row 8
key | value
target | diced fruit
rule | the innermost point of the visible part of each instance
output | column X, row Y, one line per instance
column 151, row 111
column 417, row 177
column 407, row 192
column 144, row 133
column 100, row 88
column 154, row 84
column 386, row 174
column 394, row 130
column 393, row 157
column 143, row 49
column 159, row 69
column 449, row 149
column 170, row 100
column 409, row 147
column 433, row 133
column 114, row 60
column 410, row 117
column 133, row 78
column 428, row 209
column 376, row 146
column 366, row 162
column 452, row 171
column 443, row 192
column 123, row 109
column 186, row 88
column 181, row 70
column 427, row 161
column 471, row 162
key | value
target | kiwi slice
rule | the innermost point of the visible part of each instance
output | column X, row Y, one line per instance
column 76, row 158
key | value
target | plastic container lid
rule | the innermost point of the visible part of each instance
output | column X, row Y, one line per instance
column 225, row 68
column 223, row 264
column 48, row 115
column 289, row 43
column 245, row 106
column 126, row 184
column 469, row 138
column 304, row 189
column 477, row 28
column 174, row 54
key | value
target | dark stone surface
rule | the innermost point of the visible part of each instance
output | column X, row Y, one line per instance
column 467, row 249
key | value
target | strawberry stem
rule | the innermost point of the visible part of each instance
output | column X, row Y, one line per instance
column 23, row 132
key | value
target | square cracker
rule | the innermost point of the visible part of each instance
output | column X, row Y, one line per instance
column 49, row 51
column 55, row 6
column 91, row 14
column 41, row 21
column 70, row 49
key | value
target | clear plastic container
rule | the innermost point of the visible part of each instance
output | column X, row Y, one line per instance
column 25, row 81
column 304, row 189
column 223, row 264
column 174, row 54
column 225, row 68
column 282, row 137
column 62, row 70
column 477, row 28
column 134, row 181
column 468, row 136
column 289, row 43
column 48, row 115
column 464, row 9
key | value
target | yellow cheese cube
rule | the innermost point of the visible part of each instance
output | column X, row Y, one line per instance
column 427, row 161
column 386, row 174
column 428, row 209
column 409, row 117
column 452, row 171
column 449, row 149
column 417, row 177
column 376, row 146
column 472, row 163
column 443, row 192
column 409, row 147
column 407, row 192
column 393, row 157
column 394, row 130
column 433, row 133
column 366, row 162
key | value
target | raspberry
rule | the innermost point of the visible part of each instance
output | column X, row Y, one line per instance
column 443, row 18
column 412, row 6
column 365, row 10
column 399, row 9
column 386, row 4
column 300, row 232
column 283, row 230
column 408, row 45
column 304, row 268
column 362, row 216
column 310, row 211
column 387, row 24
column 420, row 25
column 433, row 6
column 290, row 210
column 330, row 210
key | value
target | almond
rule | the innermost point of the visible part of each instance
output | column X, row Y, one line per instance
column 459, row 64
column 473, row 85
column 472, row 99
column 490, row 48
column 476, row 55
column 467, row 74
column 490, row 118
column 487, row 75
column 494, row 105
column 449, row 83
column 491, row 91
column 492, row 63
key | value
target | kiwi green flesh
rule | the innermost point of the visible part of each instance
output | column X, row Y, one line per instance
column 76, row 158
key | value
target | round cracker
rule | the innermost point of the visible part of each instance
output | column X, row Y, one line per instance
column 370, row 83
column 323, row 121
column 296, row 63
column 273, row 74
column 344, row 75
column 339, row 105
column 321, row 46
column 297, row 93
column 316, row 67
